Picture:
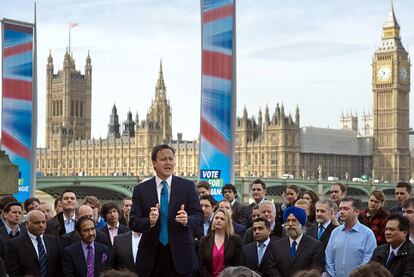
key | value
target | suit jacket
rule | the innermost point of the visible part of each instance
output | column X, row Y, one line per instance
column 313, row 232
column 181, row 241
column 309, row 254
column 56, row 226
column 275, row 235
column 121, row 253
column 248, row 258
column 239, row 229
column 238, row 214
column 232, row 248
column 72, row 237
column 74, row 262
column 121, row 230
column 402, row 264
column 22, row 259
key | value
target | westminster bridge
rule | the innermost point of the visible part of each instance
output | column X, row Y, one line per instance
column 117, row 187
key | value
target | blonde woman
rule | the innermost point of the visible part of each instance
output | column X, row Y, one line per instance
column 220, row 248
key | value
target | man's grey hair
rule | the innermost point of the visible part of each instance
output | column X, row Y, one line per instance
column 33, row 213
column 238, row 271
column 332, row 206
column 267, row 202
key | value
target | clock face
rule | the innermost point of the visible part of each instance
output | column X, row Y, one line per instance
column 384, row 73
column 403, row 73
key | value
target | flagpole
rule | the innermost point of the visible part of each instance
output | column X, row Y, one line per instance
column 69, row 37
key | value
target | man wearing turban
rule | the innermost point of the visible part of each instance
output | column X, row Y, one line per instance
column 297, row 251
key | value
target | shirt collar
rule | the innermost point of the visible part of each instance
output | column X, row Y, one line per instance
column 65, row 218
column 33, row 237
column 158, row 181
column 357, row 227
column 326, row 224
column 297, row 240
column 116, row 226
column 234, row 201
column 395, row 250
column 136, row 235
column 266, row 242
column 9, row 229
column 84, row 246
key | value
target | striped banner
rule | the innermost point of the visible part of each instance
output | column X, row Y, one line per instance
column 218, row 93
column 17, row 97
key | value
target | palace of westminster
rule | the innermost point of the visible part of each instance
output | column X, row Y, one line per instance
column 273, row 145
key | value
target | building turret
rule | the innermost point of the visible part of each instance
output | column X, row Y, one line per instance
column 128, row 129
column 297, row 116
column 113, row 126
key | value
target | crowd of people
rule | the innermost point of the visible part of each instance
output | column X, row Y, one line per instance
column 172, row 227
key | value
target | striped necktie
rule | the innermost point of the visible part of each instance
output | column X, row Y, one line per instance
column 42, row 257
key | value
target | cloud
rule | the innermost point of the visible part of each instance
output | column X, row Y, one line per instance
column 309, row 50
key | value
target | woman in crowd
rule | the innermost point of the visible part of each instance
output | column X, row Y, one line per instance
column 312, row 197
column 221, row 247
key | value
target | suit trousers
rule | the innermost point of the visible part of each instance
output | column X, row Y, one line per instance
column 164, row 265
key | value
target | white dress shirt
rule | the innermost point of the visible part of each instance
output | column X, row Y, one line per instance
column 158, row 181
column 33, row 238
column 136, row 237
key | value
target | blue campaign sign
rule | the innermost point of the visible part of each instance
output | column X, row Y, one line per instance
column 216, row 183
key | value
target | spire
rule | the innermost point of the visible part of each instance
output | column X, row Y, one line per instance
column 391, row 29
column 297, row 115
column 160, row 87
column 391, row 19
column 88, row 59
column 49, row 58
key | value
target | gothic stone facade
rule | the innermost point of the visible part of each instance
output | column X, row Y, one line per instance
column 271, row 146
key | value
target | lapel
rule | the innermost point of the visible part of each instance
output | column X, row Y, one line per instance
column 266, row 253
column 326, row 231
column 97, row 258
column 152, row 193
column 27, row 242
column 78, row 252
column 127, row 245
column 300, row 248
column 49, row 249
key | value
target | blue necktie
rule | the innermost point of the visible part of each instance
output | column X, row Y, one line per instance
column 260, row 252
column 293, row 249
column 164, row 214
column 389, row 260
column 42, row 257
column 320, row 231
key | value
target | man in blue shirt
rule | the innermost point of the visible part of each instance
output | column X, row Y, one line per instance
column 351, row 244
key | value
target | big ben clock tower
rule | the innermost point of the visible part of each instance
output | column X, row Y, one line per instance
column 391, row 88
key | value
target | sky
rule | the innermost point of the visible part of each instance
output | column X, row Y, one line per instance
column 315, row 54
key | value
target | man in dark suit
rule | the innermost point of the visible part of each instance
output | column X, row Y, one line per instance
column 110, row 213
column 64, row 222
column 87, row 257
column 34, row 253
column 126, row 210
column 297, row 251
column 12, row 215
column 267, row 211
column 258, row 194
column 325, row 211
column 397, row 255
column 72, row 237
column 256, row 255
column 166, row 210
column 402, row 192
column 229, row 192
column 124, row 251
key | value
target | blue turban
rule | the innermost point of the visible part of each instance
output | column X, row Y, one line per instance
column 299, row 213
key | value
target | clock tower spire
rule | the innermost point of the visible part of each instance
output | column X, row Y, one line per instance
column 391, row 87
